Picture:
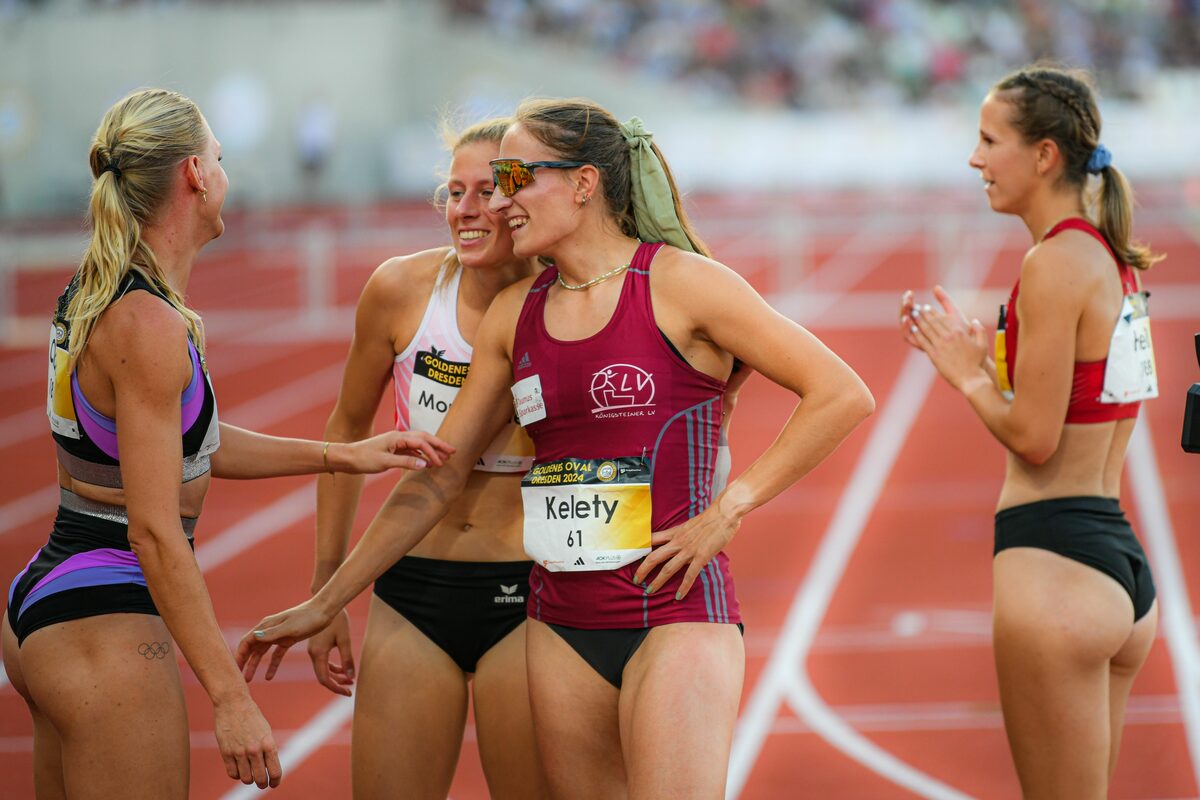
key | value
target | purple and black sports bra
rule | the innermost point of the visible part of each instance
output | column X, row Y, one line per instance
column 87, row 440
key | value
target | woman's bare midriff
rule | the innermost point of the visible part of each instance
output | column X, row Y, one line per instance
column 483, row 524
column 1087, row 462
column 191, row 494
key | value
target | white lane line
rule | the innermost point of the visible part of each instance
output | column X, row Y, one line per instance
column 833, row 728
column 1144, row 710
column 261, row 525
column 31, row 423
column 1175, row 607
column 305, row 741
column 785, row 675
column 280, row 515
column 288, row 400
column 36, row 504
column 962, row 716
column 854, row 260
column 263, row 411
column 24, row 425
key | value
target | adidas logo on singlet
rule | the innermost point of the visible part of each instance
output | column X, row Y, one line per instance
column 509, row 595
column 579, row 562
column 524, row 363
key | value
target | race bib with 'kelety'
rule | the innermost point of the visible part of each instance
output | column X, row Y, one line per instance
column 587, row 514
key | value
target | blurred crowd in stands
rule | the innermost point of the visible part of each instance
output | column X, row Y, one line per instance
column 817, row 54
column 833, row 53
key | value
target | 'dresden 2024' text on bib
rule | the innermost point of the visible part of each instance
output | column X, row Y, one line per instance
column 587, row 514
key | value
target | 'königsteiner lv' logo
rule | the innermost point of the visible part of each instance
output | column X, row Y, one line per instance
column 620, row 387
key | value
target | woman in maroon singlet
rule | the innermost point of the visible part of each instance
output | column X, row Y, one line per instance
column 618, row 359
column 1075, row 613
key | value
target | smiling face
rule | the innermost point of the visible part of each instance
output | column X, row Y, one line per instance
column 542, row 213
column 480, row 236
column 1006, row 162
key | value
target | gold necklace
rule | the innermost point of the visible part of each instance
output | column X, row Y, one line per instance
column 612, row 273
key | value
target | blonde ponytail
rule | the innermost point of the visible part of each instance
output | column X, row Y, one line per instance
column 134, row 151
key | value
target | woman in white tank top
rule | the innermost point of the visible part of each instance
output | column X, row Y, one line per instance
column 450, row 615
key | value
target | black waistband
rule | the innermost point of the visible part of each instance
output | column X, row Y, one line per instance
column 1088, row 503
column 460, row 569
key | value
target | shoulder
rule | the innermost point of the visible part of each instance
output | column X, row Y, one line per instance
column 403, row 280
column 138, row 315
column 675, row 264
column 1070, row 262
column 692, row 278
column 511, row 299
column 498, row 329
column 1059, row 275
column 142, row 336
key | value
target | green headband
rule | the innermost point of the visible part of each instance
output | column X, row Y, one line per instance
column 653, row 204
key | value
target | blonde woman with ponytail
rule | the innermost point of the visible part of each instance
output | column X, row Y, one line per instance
column 619, row 359
column 94, row 618
column 1075, row 611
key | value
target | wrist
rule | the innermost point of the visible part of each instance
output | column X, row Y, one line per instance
column 333, row 457
column 236, row 692
column 734, row 503
column 974, row 383
column 323, row 605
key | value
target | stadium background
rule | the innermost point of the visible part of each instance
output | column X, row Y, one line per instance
column 823, row 149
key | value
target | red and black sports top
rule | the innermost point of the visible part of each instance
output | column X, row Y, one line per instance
column 1087, row 382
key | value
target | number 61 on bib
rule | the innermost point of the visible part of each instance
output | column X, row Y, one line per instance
column 587, row 514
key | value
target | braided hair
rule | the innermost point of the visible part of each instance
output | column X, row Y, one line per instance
column 1059, row 104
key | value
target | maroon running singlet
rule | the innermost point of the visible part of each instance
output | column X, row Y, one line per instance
column 625, row 434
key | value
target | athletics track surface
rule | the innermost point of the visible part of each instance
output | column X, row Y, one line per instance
column 866, row 588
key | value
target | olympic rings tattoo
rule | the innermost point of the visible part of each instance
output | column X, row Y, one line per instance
column 149, row 650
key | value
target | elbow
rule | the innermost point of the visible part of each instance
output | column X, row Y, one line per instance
column 1034, row 456
column 856, row 403
column 1034, row 449
column 143, row 541
column 863, row 403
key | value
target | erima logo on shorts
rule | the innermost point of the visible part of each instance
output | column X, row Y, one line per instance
column 509, row 595
column 622, row 387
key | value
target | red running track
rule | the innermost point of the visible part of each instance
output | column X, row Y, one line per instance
column 897, row 643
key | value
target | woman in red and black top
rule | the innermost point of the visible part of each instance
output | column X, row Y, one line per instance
column 1075, row 613
column 618, row 359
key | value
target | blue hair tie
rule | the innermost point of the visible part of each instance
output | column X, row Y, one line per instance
column 1101, row 157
